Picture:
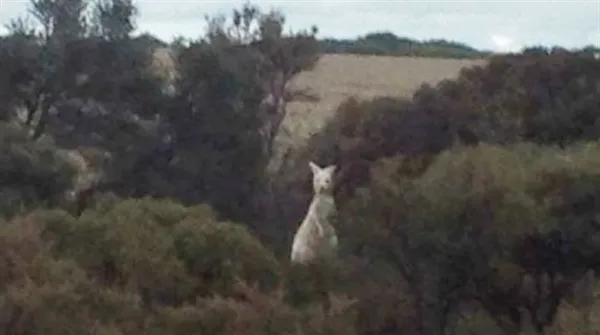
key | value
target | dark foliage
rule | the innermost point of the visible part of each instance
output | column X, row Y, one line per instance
column 32, row 174
column 388, row 44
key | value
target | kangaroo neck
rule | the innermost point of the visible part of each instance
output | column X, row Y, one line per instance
column 322, row 199
column 321, row 205
column 322, row 196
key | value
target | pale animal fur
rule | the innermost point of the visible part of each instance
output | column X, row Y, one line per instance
column 316, row 238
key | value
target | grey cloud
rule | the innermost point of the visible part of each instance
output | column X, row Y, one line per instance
column 174, row 11
column 11, row 9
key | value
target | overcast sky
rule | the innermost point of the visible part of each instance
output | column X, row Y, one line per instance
column 497, row 25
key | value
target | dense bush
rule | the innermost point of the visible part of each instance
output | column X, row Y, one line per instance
column 388, row 44
column 31, row 173
column 542, row 98
column 495, row 218
column 264, row 314
column 145, row 267
column 43, row 294
column 125, row 243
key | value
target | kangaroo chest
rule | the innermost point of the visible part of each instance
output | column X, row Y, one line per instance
column 323, row 207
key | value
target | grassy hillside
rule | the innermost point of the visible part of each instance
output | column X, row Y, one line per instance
column 340, row 76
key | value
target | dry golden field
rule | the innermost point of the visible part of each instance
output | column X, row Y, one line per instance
column 338, row 77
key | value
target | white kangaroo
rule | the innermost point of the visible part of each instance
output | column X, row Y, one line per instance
column 316, row 237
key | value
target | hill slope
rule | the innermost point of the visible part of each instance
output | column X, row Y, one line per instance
column 340, row 76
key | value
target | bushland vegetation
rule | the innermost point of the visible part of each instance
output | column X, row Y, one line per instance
column 387, row 43
column 135, row 200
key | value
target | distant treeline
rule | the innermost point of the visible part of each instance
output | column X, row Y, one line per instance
column 378, row 43
column 385, row 43
column 388, row 44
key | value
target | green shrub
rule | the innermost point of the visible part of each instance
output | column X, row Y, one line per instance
column 32, row 173
column 42, row 294
column 166, row 252
column 487, row 221
column 264, row 314
column 544, row 98
column 219, row 253
column 59, row 299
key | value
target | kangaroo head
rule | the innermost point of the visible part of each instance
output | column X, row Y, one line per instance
column 322, row 178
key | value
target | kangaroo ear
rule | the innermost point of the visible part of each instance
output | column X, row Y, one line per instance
column 331, row 169
column 314, row 167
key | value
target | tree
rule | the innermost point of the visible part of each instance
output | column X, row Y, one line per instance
column 507, row 229
column 46, row 77
column 280, row 57
column 33, row 174
column 61, row 20
column 218, row 122
column 114, row 19
column 20, row 53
